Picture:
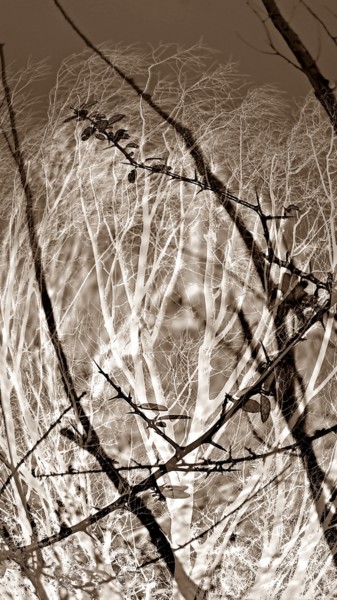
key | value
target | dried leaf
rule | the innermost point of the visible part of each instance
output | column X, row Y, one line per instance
column 69, row 119
column 101, row 124
column 101, row 136
column 132, row 176
column 115, row 118
column 121, row 135
column 251, row 406
column 158, row 168
column 98, row 116
column 152, row 406
column 160, row 424
column 86, row 133
column 132, row 145
column 174, row 417
column 265, row 408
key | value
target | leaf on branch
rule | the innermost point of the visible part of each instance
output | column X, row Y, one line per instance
column 98, row 116
column 68, row 433
column 115, row 118
column 121, row 134
column 101, row 136
column 158, row 168
column 101, row 125
column 174, row 491
column 87, row 133
column 132, row 176
column 70, row 119
column 160, row 424
column 174, row 417
column 265, row 407
column 131, row 145
column 251, row 406
column 152, row 406
column 65, row 529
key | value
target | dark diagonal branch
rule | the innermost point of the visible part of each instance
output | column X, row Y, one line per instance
column 309, row 68
column 89, row 440
column 192, row 146
column 285, row 355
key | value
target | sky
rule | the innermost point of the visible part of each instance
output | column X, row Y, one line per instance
column 35, row 29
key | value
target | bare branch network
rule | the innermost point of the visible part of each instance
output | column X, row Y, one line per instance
column 197, row 318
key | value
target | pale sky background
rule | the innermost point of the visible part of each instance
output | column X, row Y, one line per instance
column 36, row 29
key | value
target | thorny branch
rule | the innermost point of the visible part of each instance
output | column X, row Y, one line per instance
column 89, row 439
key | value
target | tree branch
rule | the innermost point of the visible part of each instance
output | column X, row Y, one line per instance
column 318, row 82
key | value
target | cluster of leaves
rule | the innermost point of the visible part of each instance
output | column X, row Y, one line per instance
column 253, row 406
column 101, row 128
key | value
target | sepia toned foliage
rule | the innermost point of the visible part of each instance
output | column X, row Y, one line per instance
column 194, row 455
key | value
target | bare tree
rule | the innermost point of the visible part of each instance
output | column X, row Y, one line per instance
column 194, row 317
